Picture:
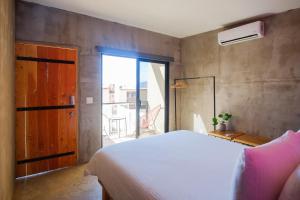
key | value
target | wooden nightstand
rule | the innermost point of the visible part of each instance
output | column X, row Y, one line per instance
column 228, row 135
column 251, row 140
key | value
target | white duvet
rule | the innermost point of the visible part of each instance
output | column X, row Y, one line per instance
column 179, row 165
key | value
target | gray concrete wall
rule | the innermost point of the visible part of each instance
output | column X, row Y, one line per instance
column 49, row 25
column 7, row 99
column 257, row 81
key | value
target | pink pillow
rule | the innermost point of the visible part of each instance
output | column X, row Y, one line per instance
column 291, row 189
column 263, row 170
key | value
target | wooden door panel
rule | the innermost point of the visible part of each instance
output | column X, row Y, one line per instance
column 67, row 138
column 21, row 136
column 46, row 123
column 67, row 80
column 26, row 50
column 45, row 132
column 44, row 51
column 26, row 77
column 45, row 165
column 44, row 84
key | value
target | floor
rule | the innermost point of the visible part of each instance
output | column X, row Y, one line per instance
column 64, row 184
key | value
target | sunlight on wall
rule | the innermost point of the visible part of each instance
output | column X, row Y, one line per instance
column 198, row 124
column 197, row 105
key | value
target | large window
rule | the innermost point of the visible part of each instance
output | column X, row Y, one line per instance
column 133, row 98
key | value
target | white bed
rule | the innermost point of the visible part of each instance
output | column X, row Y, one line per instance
column 177, row 165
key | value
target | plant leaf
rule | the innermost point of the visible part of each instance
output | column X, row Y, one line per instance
column 215, row 121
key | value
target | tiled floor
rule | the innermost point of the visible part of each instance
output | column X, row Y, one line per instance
column 65, row 184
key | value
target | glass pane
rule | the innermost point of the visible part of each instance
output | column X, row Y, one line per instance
column 118, row 99
column 152, row 97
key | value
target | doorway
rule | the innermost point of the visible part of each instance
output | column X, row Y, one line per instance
column 134, row 98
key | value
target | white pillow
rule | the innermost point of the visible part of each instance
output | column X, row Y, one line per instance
column 291, row 189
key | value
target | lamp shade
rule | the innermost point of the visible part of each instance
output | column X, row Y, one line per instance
column 179, row 84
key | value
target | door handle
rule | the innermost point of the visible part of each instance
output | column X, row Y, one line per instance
column 71, row 114
column 72, row 100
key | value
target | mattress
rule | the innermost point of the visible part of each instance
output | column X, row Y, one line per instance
column 176, row 165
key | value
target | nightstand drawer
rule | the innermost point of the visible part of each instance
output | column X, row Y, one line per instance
column 251, row 140
column 227, row 135
column 240, row 137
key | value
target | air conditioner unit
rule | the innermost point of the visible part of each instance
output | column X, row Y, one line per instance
column 243, row 33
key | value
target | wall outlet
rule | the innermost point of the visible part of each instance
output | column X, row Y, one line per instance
column 89, row 100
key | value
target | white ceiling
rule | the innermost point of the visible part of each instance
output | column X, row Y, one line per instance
column 179, row 18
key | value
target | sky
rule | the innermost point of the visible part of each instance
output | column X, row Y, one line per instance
column 122, row 71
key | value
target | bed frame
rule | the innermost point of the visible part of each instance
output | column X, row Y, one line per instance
column 105, row 195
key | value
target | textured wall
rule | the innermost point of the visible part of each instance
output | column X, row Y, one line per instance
column 257, row 81
column 44, row 24
column 7, row 99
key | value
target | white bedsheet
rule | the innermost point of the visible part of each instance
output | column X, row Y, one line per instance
column 177, row 165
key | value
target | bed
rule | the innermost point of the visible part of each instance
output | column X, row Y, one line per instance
column 176, row 165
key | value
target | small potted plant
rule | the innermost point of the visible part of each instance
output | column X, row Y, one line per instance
column 221, row 119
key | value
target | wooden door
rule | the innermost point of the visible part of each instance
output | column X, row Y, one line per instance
column 46, row 108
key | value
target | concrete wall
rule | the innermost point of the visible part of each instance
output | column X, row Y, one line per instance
column 257, row 81
column 50, row 25
column 197, row 105
column 7, row 99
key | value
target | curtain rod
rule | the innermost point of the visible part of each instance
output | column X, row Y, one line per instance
column 133, row 54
